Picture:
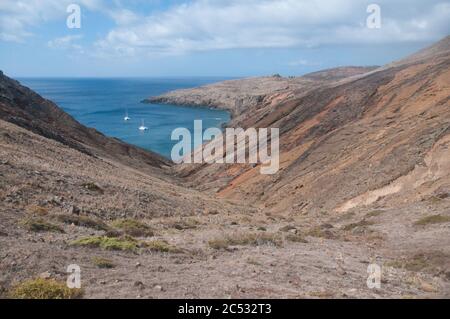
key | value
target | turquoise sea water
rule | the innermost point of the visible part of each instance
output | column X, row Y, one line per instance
column 103, row 103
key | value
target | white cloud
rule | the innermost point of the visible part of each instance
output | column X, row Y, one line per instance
column 67, row 43
column 19, row 17
column 216, row 24
column 302, row 62
column 123, row 16
column 200, row 25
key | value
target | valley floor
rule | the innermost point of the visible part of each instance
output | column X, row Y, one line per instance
column 161, row 240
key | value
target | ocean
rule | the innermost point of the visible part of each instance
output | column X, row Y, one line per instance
column 103, row 103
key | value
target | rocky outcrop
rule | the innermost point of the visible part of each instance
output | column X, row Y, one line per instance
column 240, row 96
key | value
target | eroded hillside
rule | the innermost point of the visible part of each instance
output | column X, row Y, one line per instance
column 346, row 139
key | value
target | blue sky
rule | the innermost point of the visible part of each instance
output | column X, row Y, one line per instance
column 155, row 38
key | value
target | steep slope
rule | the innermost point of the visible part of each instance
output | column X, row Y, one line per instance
column 364, row 159
column 346, row 138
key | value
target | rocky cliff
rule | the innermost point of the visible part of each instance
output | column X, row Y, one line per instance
column 240, row 97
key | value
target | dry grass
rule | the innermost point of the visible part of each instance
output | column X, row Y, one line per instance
column 161, row 246
column 44, row 289
column 362, row 223
column 39, row 225
column 257, row 239
column 108, row 243
column 218, row 243
column 322, row 294
column 133, row 227
column 434, row 200
column 101, row 262
column 93, row 187
column 434, row 219
column 83, row 221
column 287, row 228
column 253, row 261
column 295, row 238
column 320, row 232
column 429, row 261
column 374, row 213
column 346, row 216
column 414, row 263
column 37, row 210
column 183, row 224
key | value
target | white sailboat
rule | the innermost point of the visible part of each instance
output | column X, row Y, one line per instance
column 143, row 127
column 126, row 118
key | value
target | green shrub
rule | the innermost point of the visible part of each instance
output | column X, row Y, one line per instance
column 218, row 243
column 257, row 239
column 319, row 232
column 101, row 262
column 39, row 225
column 185, row 224
column 108, row 243
column 296, row 238
column 161, row 246
column 374, row 213
column 414, row 263
column 133, row 227
column 83, row 221
column 44, row 289
column 361, row 223
column 434, row 219
column 92, row 187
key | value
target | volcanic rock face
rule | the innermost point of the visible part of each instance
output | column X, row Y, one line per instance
column 341, row 137
column 366, row 155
